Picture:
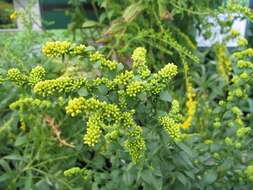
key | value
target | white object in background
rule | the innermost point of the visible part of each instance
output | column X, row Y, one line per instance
column 20, row 5
column 238, row 24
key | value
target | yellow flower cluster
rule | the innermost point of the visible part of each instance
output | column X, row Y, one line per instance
column 85, row 173
column 237, row 8
column 241, row 41
column 89, row 106
column 191, row 105
column 139, row 57
column 242, row 131
column 244, row 53
column 236, row 111
column 72, row 171
column 13, row 15
column 139, row 62
column 126, row 119
column 76, row 106
column 234, row 33
column 123, row 78
column 59, row 85
column 244, row 64
column 134, row 88
column 160, row 80
column 36, row 75
column 98, row 114
column 78, row 49
column 97, row 56
column 171, row 127
column 249, row 172
column 16, row 76
column 135, row 144
column 174, row 107
column 168, row 71
column 56, row 48
column 224, row 66
column 30, row 102
column 94, row 126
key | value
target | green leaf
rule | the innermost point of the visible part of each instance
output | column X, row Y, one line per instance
column 14, row 157
column 132, row 11
column 209, row 177
column 90, row 24
column 103, row 89
column 20, row 141
column 181, row 177
column 165, row 96
column 83, row 92
column 5, row 165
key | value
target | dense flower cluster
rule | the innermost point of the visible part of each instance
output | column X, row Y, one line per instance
column 123, row 78
column 249, row 172
column 97, row 56
column 85, row 173
column 99, row 113
column 30, row 102
column 139, row 62
column 37, row 74
column 171, row 127
column 57, row 86
column 16, row 76
column 56, row 48
column 94, row 130
column 135, row 144
column 89, row 106
column 244, row 53
column 223, row 61
column 77, row 49
column 159, row 81
column 134, row 88
column 171, row 122
column 191, row 105
column 237, row 8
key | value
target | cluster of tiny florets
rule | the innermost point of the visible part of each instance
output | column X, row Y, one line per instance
column 134, row 88
column 59, row 85
column 78, row 49
column 168, row 71
column 123, row 78
column 171, row 127
column 97, row 56
column 135, row 143
column 37, row 74
column 94, row 130
column 244, row 53
column 56, row 48
column 30, row 102
column 16, row 76
column 160, row 80
column 139, row 62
